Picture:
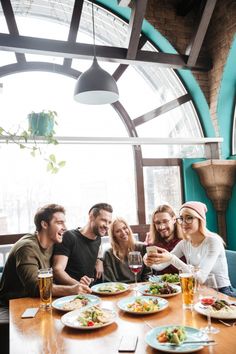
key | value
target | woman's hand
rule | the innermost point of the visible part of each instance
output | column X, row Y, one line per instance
column 161, row 256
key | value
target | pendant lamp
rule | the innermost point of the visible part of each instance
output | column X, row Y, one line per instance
column 95, row 86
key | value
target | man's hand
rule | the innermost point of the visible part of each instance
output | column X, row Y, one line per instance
column 81, row 289
column 99, row 268
column 86, row 280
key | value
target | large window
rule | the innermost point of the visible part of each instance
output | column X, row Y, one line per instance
column 93, row 173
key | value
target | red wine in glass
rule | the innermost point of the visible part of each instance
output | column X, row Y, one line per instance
column 135, row 262
column 135, row 268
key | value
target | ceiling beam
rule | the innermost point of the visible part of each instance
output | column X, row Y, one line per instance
column 11, row 24
column 23, row 44
column 74, row 27
column 161, row 110
column 194, row 48
column 135, row 27
column 122, row 67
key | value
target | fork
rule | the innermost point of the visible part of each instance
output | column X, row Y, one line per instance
column 228, row 324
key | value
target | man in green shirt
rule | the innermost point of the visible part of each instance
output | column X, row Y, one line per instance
column 32, row 252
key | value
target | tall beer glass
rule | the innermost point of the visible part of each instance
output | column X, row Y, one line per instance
column 187, row 282
column 45, row 287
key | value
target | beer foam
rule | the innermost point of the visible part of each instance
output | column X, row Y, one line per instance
column 185, row 275
column 45, row 275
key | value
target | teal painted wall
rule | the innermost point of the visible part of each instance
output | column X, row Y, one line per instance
column 226, row 101
column 193, row 190
column 231, row 222
column 231, row 217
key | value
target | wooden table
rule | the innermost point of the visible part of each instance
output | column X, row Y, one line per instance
column 46, row 334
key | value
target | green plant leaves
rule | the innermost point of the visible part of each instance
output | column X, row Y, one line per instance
column 23, row 140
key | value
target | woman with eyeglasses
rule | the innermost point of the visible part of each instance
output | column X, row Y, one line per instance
column 164, row 232
column 115, row 262
column 201, row 248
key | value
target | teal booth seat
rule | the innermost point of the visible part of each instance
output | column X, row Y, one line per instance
column 231, row 260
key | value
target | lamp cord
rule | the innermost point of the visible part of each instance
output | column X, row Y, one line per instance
column 94, row 48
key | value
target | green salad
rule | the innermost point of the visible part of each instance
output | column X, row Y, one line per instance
column 174, row 335
column 170, row 278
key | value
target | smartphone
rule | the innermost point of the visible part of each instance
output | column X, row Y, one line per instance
column 128, row 344
column 30, row 312
column 151, row 250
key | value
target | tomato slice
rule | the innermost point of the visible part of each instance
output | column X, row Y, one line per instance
column 90, row 323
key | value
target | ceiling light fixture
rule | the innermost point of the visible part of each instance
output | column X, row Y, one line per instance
column 96, row 86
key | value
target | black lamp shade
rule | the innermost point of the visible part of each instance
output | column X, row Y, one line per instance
column 96, row 86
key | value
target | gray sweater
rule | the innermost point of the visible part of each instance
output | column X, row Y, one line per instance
column 116, row 270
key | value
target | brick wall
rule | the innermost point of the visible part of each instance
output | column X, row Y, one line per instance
column 179, row 30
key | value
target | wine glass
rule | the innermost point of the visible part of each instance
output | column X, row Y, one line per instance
column 208, row 294
column 135, row 262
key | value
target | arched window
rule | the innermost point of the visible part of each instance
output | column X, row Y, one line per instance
column 153, row 103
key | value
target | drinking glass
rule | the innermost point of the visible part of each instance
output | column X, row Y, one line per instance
column 45, row 287
column 207, row 296
column 187, row 282
column 135, row 262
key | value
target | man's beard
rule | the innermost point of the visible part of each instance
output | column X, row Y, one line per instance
column 96, row 231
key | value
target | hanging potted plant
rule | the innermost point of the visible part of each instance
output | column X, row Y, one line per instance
column 42, row 123
column 39, row 124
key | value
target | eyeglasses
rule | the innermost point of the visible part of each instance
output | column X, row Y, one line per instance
column 161, row 223
column 187, row 220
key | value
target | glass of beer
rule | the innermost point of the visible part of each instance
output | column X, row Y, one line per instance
column 45, row 287
column 187, row 282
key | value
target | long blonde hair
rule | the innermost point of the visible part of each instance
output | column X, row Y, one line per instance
column 118, row 253
column 154, row 234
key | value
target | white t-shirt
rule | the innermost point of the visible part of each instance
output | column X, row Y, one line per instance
column 209, row 257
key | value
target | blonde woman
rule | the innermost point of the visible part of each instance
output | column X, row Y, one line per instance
column 201, row 248
column 116, row 258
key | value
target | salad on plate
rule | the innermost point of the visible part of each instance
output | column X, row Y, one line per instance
column 110, row 288
column 142, row 305
column 160, row 289
column 73, row 302
column 89, row 318
column 167, row 278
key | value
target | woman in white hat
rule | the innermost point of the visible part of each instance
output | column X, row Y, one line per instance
column 201, row 248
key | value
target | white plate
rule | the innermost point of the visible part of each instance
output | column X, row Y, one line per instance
column 145, row 291
column 123, row 304
column 59, row 303
column 224, row 314
column 113, row 286
column 158, row 279
column 71, row 319
column 192, row 334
